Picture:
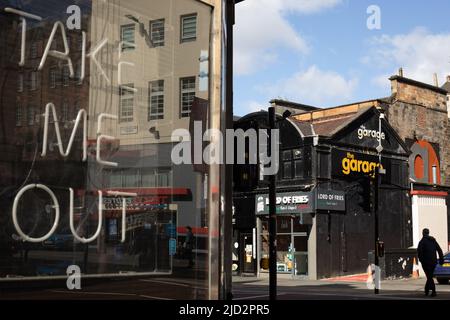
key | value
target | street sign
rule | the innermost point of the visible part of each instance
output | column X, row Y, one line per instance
column 330, row 200
column 294, row 203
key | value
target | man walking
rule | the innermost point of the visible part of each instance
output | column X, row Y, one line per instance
column 426, row 251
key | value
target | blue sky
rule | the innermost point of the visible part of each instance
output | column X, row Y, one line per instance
column 321, row 52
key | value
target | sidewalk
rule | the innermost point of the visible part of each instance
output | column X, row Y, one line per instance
column 347, row 288
column 355, row 281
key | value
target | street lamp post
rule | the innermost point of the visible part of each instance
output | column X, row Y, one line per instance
column 378, row 172
column 272, row 218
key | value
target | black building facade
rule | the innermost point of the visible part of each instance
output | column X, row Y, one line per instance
column 325, row 195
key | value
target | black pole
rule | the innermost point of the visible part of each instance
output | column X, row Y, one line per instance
column 272, row 217
column 377, row 236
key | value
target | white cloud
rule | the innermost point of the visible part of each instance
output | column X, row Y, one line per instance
column 315, row 87
column 250, row 107
column 262, row 29
column 420, row 54
column 309, row 6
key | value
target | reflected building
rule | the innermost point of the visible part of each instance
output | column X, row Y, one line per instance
column 141, row 70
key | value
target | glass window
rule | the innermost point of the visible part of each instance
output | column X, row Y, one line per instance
column 287, row 155
column 127, row 37
column 298, row 168
column 53, row 77
column 30, row 115
column 187, row 95
column 33, row 80
column 76, row 109
column 65, row 111
column 148, row 178
column 126, row 103
column 78, row 72
column 169, row 197
column 80, row 42
column 157, row 32
column 156, row 108
column 65, row 76
column 189, row 28
column 287, row 170
column 19, row 114
column 115, row 178
column 34, row 50
column 131, row 178
column 20, row 82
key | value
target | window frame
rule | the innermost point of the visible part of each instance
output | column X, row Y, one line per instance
column 53, row 74
column 65, row 111
column 182, row 19
column 65, row 76
column 186, row 114
column 34, row 81
column 130, row 96
column 31, row 112
column 19, row 114
column 126, row 46
column 159, row 114
column 20, row 81
column 158, row 43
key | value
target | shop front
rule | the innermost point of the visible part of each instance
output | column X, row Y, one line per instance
column 326, row 193
column 294, row 222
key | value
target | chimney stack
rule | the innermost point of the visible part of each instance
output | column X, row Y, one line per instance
column 448, row 78
column 436, row 81
column 400, row 72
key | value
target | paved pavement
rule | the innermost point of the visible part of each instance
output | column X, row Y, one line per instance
column 252, row 288
column 244, row 288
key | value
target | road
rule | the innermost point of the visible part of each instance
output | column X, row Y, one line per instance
column 183, row 286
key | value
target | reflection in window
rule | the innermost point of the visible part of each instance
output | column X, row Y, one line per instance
column 287, row 170
column 187, row 95
column 131, row 178
column 30, row 115
column 287, row 155
column 34, row 50
column 152, row 177
column 157, row 32
column 156, row 110
column 126, row 103
column 189, row 27
column 140, row 178
column 65, row 76
column 33, row 80
column 65, row 111
column 19, row 114
column 53, row 76
column 20, row 82
column 78, row 73
column 127, row 37
column 298, row 168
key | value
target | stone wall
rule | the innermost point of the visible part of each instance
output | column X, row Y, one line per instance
column 419, row 111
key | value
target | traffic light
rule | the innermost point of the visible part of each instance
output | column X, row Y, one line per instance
column 380, row 249
column 246, row 176
column 366, row 192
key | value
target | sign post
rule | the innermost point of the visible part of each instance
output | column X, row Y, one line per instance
column 272, row 219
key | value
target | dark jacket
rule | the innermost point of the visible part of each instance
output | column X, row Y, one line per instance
column 189, row 242
column 426, row 251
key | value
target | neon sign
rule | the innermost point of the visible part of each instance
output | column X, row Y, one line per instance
column 81, row 118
